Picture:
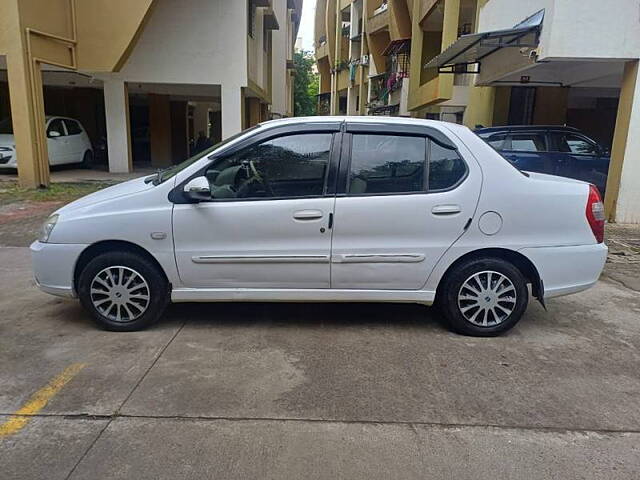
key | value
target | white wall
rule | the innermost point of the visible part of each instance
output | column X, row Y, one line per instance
column 595, row 29
column 191, row 41
column 628, row 206
column 281, row 40
column 573, row 29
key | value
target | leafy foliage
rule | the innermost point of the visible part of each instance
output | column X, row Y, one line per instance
column 306, row 84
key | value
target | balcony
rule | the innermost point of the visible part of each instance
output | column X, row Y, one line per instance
column 322, row 51
column 378, row 22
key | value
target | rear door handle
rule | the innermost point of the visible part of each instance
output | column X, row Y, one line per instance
column 308, row 214
column 446, row 209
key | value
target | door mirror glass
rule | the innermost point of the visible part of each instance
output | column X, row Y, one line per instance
column 198, row 189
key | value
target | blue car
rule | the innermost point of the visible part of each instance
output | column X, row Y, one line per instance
column 556, row 150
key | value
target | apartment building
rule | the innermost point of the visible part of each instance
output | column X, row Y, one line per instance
column 370, row 55
column 150, row 76
column 493, row 62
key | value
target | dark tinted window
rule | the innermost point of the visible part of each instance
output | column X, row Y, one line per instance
column 496, row 140
column 386, row 164
column 6, row 126
column 446, row 168
column 72, row 127
column 571, row 143
column 528, row 142
column 291, row 166
column 55, row 126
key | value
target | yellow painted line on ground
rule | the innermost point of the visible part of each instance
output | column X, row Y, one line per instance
column 38, row 400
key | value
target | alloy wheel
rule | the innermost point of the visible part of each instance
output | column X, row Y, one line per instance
column 120, row 293
column 487, row 299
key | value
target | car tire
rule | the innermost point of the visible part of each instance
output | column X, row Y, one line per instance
column 483, row 297
column 123, row 291
column 87, row 159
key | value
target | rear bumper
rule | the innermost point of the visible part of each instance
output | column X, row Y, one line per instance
column 567, row 270
column 53, row 267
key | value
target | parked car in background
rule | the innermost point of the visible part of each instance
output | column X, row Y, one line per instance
column 67, row 142
column 556, row 150
column 355, row 209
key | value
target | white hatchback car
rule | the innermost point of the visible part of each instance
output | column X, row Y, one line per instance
column 67, row 142
column 330, row 209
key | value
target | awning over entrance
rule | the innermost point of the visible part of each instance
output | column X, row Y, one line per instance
column 471, row 49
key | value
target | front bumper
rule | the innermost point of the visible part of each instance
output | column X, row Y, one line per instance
column 53, row 267
column 567, row 270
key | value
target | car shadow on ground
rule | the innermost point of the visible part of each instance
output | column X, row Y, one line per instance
column 305, row 314
column 302, row 315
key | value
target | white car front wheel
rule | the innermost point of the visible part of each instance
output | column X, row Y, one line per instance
column 123, row 291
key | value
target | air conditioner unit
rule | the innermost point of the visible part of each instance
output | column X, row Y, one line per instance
column 365, row 60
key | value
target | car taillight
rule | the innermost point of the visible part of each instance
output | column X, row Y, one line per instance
column 595, row 213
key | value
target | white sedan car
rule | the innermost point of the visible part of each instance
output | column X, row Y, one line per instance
column 67, row 142
column 330, row 209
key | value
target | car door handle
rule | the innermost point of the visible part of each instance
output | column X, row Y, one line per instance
column 308, row 214
column 446, row 209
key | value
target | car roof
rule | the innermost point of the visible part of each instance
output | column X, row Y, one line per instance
column 525, row 127
column 354, row 119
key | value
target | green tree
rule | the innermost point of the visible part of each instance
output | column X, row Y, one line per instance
column 306, row 84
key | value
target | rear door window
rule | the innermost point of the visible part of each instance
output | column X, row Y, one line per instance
column 383, row 164
column 527, row 142
column 446, row 168
column 73, row 128
column 572, row 143
column 496, row 140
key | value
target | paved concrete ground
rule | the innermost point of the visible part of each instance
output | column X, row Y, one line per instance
column 320, row 391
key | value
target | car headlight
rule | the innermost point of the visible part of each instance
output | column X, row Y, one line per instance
column 47, row 228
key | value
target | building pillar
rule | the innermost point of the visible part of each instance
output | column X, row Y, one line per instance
column 352, row 100
column 27, row 115
column 160, row 130
column 622, row 203
column 479, row 110
column 232, row 110
column 116, row 108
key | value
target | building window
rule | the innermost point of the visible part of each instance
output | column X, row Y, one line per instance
column 251, row 18
column 528, row 142
column 266, row 38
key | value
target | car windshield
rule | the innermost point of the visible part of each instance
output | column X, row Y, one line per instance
column 171, row 172
column 6, row 126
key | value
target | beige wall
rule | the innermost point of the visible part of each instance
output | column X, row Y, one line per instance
column 107, row 30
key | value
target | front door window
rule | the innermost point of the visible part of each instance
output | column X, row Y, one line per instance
column 293, row 166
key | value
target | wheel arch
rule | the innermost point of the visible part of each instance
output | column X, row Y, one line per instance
column 520, row 261
column 105, row 246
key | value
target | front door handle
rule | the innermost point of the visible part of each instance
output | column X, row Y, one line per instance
column 446, row 209
column 308, row 214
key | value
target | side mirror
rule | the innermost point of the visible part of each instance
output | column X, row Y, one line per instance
column 53, row 134
column 198, row 189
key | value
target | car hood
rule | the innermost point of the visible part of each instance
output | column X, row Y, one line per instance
column 121, row 190
column 6, row 139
